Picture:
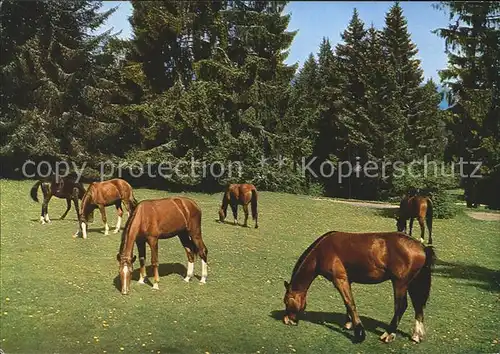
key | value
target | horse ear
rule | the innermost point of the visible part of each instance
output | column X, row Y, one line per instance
column 286, row 284
column 134, row 258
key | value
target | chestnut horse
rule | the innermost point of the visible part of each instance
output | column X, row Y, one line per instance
column 415, row 207
column 365, row 258
column 103, row 194
column 239, row 194
column 64, row 188
column 160, row 219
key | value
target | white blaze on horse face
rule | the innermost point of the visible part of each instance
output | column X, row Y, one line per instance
column 190, row 271
column 204, row 271
column 118, row 224
column 125, row 275
column 84, row 230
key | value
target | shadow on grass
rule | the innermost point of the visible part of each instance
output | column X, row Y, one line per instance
column 230, row 223
column 387, row 213
column 484, row 278
column 164, row 269
column 335, row 321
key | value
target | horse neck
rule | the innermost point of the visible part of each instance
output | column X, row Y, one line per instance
column 305, row 275
column 127, row 243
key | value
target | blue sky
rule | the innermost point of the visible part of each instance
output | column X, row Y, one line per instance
column 316, row 19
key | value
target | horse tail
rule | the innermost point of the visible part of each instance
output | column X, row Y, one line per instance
column 429, row 216
column 254, row 204
column 34, row 191
column 420, row 286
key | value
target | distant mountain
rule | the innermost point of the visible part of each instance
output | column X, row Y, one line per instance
column 444, row 104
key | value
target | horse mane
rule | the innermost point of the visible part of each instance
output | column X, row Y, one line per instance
column 125, row 231
column 308, row 250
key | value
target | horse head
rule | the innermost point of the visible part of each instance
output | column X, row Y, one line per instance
column 295, row 302
column 126, row 266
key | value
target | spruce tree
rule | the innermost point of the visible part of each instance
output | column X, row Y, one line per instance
column 400, row 52
column 473, row 79
column 54, row 87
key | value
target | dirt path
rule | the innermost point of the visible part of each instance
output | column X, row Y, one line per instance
column 361, row 204
column 479, row 215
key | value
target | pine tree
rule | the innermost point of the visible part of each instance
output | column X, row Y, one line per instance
column 474, row 80
column 351, row 55
column 54, row 85
column 400, row 52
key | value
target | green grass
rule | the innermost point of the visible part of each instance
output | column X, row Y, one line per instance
column 58, row 294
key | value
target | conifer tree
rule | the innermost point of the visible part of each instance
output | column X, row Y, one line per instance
column 54, row 86
column 473, row 79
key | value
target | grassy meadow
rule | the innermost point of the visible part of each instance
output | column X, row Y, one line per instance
column 59, row 294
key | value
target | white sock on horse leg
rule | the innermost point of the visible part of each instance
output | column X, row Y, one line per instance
column 190, row 271
column 204, row 271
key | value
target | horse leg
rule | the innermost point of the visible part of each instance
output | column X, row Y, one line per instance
column 348, row 320
column 188, row 245
column 418, row 305
column 68, row 207
column 141, row 246
column 104, row 219
column 344, row 288
column 411, row 225
column 429, row 227
column 400, row 304
column 422, row 228
column 74, row 197
column 153, row 244
column 202, row 252
column 45, row 208
column 234, row 208
column 245, row 209
column 119, row 210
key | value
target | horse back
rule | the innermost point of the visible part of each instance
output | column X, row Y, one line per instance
column 167, row 217
column 370, row 257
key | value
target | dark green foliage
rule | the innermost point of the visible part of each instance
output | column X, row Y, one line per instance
column 54, row 85
column 206, row 81
column 473, row 77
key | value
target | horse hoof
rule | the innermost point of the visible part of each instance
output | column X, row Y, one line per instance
column 416, row 338
column 348, row 326
column 115, row 231
column 387, row 338
column 141, row 281
column 203, row 281
column 359, row 334
column 187, row 279
column 155, row 286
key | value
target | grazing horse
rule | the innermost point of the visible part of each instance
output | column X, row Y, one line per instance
column 103, row 194
column 64, row 188
column 415, row 207
column 160, row 219
column 365, row 258
column 239, row 194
